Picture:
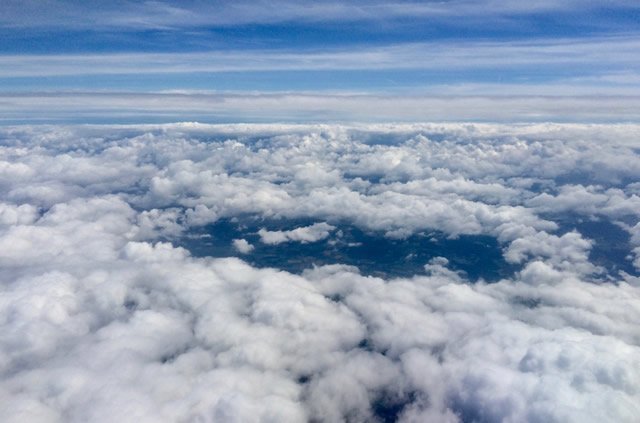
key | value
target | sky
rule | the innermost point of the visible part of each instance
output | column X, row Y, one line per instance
column 348, row 211
column 131, row 61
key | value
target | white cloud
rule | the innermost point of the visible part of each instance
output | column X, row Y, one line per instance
column 634, row 231
column 305, row 234
column 192, row 14
column 615, row 51
column 303, row 107
column 569, row 250
column 102, row 321
column 242, row 246
column 588, row 200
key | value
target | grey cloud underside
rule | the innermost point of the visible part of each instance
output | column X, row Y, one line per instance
column 102, row 322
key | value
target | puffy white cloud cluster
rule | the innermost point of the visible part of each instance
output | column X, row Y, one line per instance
column 101, row 321
column 304, row 234
column 243, row 246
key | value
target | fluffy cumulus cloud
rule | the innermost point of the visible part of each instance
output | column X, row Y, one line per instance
column 243, row 246
column 104, row 317
column 305, row 234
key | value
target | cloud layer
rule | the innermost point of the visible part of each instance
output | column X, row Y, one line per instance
column 305, row 234
column 104, row 318
column 314, row 107
column 165, row 15
column 614, row 51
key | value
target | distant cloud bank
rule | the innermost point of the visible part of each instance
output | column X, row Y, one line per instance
column 100, row 107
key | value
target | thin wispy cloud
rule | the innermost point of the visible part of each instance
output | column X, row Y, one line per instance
column 300, row 107
column 173, row 15
column 593, row 53
column 307, row 53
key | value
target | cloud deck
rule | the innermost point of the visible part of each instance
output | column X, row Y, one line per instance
column 105, row 317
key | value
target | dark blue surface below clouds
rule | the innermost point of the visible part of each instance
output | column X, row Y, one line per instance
column 611, row 248
column 478, row 257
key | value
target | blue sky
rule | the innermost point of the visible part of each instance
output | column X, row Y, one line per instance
column 580, row 50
